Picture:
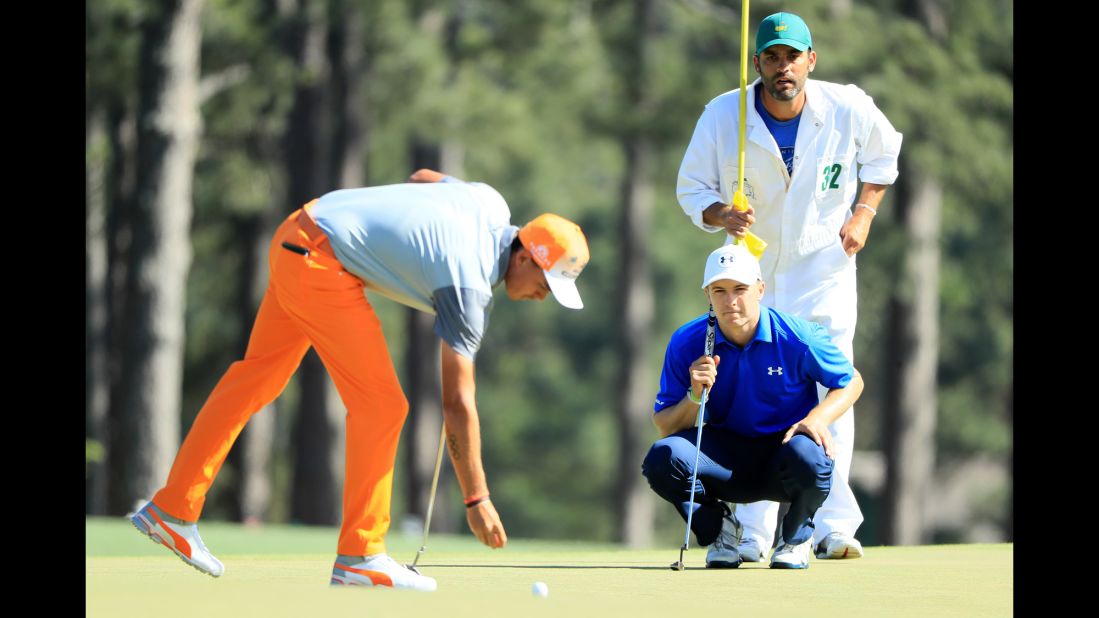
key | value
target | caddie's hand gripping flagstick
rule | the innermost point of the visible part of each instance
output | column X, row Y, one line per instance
column 711, row 322
column 756, row 245
column 431, row 500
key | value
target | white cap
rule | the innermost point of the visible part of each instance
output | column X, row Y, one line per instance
column 731, row 262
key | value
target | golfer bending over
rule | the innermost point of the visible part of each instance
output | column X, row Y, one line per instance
column 439, row 245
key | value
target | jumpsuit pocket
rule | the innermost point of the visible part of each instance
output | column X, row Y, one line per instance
column 834, row 259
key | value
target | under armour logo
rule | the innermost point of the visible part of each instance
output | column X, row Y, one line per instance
column 773, row 370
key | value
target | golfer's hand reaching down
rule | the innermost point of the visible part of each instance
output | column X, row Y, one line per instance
column 485, row 524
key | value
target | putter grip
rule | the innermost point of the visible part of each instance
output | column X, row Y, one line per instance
column 711, row 334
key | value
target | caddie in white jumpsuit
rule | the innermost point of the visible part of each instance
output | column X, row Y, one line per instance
column 808, row 144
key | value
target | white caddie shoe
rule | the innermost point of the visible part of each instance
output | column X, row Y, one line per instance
column 181, row 538
column 723, row 552
column 837, row 546
column 378, row 570
column 749, row 550
column 789, row 556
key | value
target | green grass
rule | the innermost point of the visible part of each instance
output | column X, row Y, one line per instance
column 283, row 571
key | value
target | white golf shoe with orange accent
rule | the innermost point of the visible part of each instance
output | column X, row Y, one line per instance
column 181, row 538
column 839, row 546
column 378, row 570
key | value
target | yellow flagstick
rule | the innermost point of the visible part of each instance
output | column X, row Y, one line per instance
column 756, row 245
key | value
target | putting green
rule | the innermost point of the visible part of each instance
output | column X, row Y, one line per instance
column 283, row 571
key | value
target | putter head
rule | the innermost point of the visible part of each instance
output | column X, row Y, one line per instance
column 412, row 567
column 678, row 564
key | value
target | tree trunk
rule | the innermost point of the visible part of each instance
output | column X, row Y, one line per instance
column 169, row 127
column 350, row 77
column 425, row 412
column 1010, row 506
column 318, row 446
column 633, row 500
column 97, row 380
column 930, row 13
column 913, row 336
column 319, row 429
column 256, row 445
column 121, row 188
column 425, row 420
column 252, row 455
column 839, row 9
column 422, row 362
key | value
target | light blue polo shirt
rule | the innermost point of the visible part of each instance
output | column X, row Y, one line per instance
column 765, row 387
column 438, row 247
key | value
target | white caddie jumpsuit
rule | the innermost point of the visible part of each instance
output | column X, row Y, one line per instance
column 805, row 269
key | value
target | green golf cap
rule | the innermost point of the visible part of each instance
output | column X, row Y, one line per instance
column 783, row 29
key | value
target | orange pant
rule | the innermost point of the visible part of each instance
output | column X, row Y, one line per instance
column 309, row 301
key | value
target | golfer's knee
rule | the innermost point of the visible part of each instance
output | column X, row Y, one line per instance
column 806, row 463
column 666, row 459
column 388, row 405
column 398, row 405
column 657, row 462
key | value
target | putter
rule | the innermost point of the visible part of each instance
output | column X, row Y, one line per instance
column 711, row 321
column 430, row 501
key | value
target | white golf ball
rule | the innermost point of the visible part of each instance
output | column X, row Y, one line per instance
column 540, row 589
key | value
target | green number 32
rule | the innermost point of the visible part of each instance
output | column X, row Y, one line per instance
column 834, row 170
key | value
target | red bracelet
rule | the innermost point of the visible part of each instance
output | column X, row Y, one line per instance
column 474, row 501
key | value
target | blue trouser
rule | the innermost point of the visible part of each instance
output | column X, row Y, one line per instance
column 740, row 469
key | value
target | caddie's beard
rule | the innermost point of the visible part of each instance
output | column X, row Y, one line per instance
column 782, row 95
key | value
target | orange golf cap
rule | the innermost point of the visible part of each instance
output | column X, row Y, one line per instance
column 561, row 250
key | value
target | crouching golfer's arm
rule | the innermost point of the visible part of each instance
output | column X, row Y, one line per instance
column 835, row 403
column 684, row 414
column 463, row 439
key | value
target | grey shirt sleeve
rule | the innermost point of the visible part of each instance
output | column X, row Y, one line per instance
column 461, row 317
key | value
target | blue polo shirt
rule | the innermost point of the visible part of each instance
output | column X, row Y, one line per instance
column 785, row 132
column 765, row 387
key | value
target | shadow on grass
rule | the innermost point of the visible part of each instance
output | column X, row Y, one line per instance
column 550, row 566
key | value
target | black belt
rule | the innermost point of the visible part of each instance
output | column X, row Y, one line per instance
column 314, row 232
column 295, row 248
